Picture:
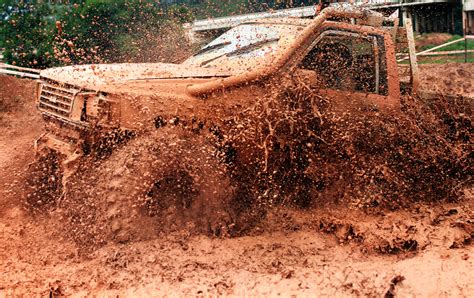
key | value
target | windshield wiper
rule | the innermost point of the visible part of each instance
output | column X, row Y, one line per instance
column 213, row 47
column 252, row 46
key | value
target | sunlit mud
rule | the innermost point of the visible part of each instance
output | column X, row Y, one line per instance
column 177, row 208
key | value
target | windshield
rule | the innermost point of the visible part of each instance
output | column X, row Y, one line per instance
column 244, row 46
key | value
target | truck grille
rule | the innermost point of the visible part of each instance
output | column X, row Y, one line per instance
column 57, row 99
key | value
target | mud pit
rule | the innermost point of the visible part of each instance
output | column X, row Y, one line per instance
column 421, row 249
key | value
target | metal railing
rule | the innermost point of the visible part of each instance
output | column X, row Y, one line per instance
column 299, row 12
column 432, row 51
column 231, row 21
column 19, row 71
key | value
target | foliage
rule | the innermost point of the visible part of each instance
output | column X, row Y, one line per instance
column 26, row 34
column 91, row 31
column 48, row 33
column 112, row 31
column 443, row 59
column 452, row 47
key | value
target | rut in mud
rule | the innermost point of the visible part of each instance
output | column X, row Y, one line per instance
column 154, row 182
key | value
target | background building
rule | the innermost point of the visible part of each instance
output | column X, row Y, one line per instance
column 427, row 15
column 469, row 16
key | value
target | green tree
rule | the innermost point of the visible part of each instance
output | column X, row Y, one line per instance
column 26, row 33
column 114, row 31
column 91, row 31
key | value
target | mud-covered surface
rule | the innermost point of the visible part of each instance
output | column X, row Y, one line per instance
column 448, row 78
column 333, row 248
column 294, row 257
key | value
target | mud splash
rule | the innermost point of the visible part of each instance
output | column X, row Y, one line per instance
column 304, row 154
column 313, row 155
column 343, row 250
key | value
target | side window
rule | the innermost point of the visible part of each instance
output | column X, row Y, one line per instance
column 346, row 61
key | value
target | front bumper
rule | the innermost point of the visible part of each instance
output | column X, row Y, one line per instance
column 61, row 136
column 49, row 141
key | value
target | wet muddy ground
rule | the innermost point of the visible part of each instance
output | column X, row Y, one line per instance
column 423, row 250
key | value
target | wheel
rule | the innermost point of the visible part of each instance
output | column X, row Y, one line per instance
column 43, row 185
column 161, row 180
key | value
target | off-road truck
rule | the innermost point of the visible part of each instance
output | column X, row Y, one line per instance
column 343, row 56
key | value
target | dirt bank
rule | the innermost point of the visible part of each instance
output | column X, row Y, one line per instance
column 450, row 78
column 20, row 124
column 424, row 250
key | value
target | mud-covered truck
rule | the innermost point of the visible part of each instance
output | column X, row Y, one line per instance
column 193, row 130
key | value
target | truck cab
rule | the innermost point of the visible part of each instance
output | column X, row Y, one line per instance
column 343, row 54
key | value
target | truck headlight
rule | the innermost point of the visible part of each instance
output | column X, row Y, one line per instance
column 99, row 108
column 38, row 86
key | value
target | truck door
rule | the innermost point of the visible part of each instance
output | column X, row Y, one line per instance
column 350, row 68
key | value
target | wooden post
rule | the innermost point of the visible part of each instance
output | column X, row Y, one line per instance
column 416, row 20
column 412, row 53
column 452, row 20
column 464, row 30
column 396, row 22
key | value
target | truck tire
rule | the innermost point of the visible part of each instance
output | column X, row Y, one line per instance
column 43, row 185
column 162, row 180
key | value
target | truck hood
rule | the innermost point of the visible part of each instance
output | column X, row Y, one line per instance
column 98, row 76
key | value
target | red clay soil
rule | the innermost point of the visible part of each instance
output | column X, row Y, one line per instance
column 450, row 78
column 424, row 250
column 431, row 39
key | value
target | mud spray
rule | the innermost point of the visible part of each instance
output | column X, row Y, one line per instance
column 146, row 206
column 303, row 154
column 84, row 242
column 291, row 150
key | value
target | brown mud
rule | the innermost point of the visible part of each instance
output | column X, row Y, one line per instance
column 448, row 78
column 431, row 39
column 422, row 248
